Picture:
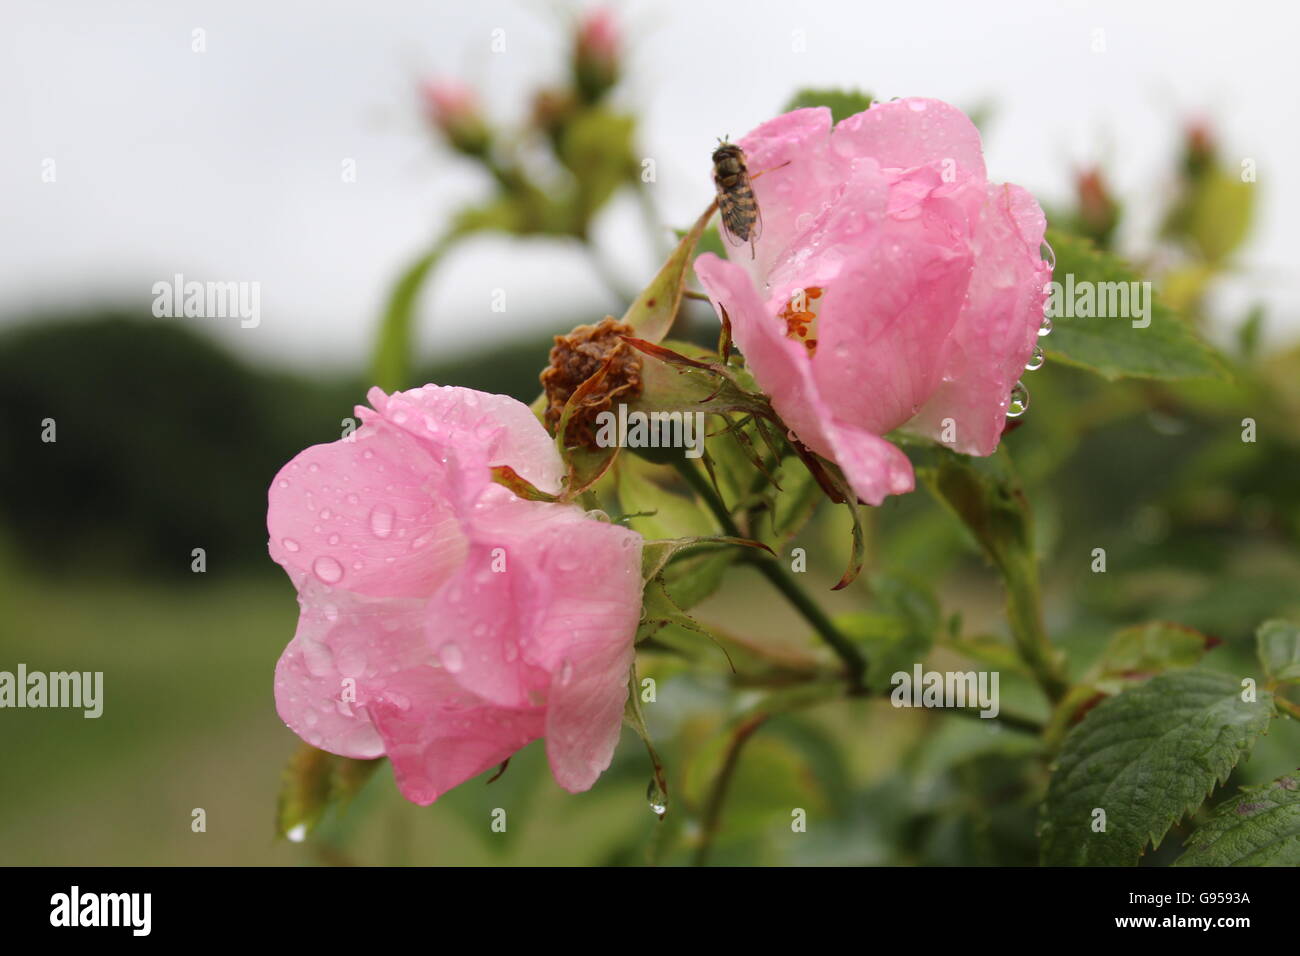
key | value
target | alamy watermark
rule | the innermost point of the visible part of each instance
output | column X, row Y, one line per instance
column 946, row 689
column 75, row 908
column 1099, row 300
column 638, row 429
column 76, row 689
column 208, row 300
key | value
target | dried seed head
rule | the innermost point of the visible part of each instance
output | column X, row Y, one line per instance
column 578, row 356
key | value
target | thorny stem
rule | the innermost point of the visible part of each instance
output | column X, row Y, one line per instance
column 718, row 792
column 854, row 664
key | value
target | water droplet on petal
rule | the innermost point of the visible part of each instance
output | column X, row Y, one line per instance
column 1048, row 254
column 1018, row 403
column 1046, row 327
column 451, row 657
column 381, row 521
column 1036, row 360
column 327, row 569
column 290, row 545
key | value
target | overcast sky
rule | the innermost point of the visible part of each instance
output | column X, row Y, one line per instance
column 225, row 165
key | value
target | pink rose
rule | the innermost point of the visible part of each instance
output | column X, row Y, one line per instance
column 893, row 286
column 446, row 622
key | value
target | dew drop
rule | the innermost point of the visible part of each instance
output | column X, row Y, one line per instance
column 1036, row 360
column 1048, row 254
column 451, row 657
column 1018, row 403
column 656, row 797
column 1046, row 327
column 327, row 569
column 290, row 545
column 381, row 521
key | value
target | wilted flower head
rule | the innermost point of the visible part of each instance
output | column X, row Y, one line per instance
column 444, row 621
column 893, row 287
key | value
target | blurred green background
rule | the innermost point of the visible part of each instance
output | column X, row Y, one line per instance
column 166, row 442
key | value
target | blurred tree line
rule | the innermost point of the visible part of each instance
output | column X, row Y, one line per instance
column 165, row 442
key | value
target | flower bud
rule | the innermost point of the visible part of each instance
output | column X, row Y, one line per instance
column 1098, row 211
column 596, row 54
column 454, row 109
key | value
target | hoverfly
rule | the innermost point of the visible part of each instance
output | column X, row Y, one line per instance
column 737, row 207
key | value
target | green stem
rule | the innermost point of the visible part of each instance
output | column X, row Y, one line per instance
column 855, row 664
column 1025, row 615
column 718, row 793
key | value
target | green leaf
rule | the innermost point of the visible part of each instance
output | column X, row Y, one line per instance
column 658, row 610
column 1279, row 650
column 1146, row 758
column 842, row 103
column 314, row 782
column 1112, row 347
column 1258, row 827
column 1151, row 648
column 655, row 555
column 655, row 309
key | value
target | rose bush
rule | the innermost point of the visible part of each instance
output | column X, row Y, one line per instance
column 444, row 621
column 893, row 285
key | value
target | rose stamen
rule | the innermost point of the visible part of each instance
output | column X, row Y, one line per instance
column 800, row 317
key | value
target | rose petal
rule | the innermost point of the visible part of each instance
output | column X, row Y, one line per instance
column 874, row 467
column 452, row 418
column 365, row 514
column 912, row 132
column 995, row 335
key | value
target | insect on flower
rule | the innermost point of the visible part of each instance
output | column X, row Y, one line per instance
column 741, row 220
